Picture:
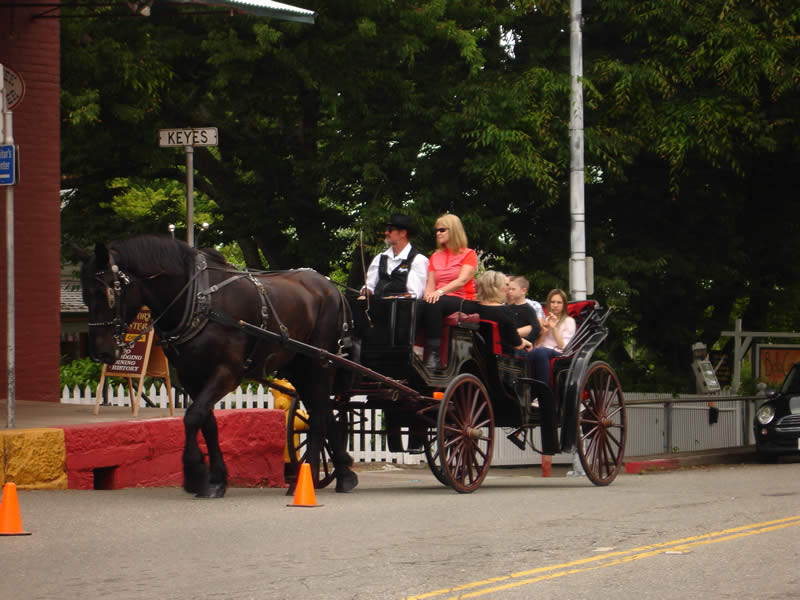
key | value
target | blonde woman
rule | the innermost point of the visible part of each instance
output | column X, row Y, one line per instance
column 451, row 285
column 491, row 294
column 557, row 331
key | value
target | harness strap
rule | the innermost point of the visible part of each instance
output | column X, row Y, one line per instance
column 192, row 321
column 266, row 307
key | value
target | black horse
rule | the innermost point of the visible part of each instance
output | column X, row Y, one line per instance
column 199, row 302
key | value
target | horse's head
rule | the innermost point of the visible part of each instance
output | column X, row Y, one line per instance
column 113, row 299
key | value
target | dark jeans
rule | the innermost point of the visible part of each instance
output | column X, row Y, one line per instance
column 539, row 369
column 539, row 363
column 432, row 314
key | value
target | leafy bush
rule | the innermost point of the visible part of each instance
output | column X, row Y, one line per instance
column 81, row 372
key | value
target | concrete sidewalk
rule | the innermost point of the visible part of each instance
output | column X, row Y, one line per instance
column 29, row 414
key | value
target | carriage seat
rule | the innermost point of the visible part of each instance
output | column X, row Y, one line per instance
column 492, row 331
column 578, row 310
column 457, row 319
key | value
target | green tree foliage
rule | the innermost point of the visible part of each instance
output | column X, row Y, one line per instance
column 697, row 222
column 429, row 106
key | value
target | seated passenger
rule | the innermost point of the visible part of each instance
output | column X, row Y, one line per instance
column 557, row 331
column 400, row 269
column 491, row 294
column 526, row 312
column 450, row 287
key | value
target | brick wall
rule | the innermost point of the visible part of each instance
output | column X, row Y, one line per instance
column 31, row 48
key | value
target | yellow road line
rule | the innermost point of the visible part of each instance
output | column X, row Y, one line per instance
column 620, row 557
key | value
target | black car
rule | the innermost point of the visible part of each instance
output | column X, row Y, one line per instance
column 777, row 421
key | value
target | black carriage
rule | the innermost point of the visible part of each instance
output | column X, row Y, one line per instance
column 454, row 412
column 219, row 324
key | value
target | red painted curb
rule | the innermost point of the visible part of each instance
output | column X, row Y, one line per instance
column 147, row 453
column 656, row 464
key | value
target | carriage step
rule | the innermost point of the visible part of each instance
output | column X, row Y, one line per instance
column 514, row 439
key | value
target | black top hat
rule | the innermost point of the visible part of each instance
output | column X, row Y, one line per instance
column 402, row 222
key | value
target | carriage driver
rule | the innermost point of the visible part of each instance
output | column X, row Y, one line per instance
column 400, row 269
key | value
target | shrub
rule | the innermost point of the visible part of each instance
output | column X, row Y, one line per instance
column 81, row 372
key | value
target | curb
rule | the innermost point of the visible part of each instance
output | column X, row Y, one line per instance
column 721, row 456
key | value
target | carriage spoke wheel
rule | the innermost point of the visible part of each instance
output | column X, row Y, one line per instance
column 297, row 445
column 433, row 458
column 601, row 424
column 465, row 433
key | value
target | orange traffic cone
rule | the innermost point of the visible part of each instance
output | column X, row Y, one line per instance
column 304, row 492
column 547, row 463
column 10, row 519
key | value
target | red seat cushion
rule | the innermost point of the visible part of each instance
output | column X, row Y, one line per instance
column 449, row 321
column 497, row 347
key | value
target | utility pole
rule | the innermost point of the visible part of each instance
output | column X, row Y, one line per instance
column 11, row 353
column 577, row 261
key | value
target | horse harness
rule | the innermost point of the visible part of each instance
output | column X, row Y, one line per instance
column 197, row 309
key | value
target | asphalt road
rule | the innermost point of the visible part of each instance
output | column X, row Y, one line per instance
column 712, row 533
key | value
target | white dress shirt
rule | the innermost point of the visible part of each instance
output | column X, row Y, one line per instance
column 417, row 275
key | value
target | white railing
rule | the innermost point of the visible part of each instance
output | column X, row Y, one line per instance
column 646, row 432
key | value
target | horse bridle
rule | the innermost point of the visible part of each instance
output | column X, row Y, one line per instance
column 114, row 299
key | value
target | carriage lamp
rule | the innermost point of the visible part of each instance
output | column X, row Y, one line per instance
column 765, row 414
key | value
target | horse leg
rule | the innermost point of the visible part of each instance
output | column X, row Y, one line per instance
column 218, row 472
column 346, row 478
column 313, row 383
column 196, row 478
column 195, row 472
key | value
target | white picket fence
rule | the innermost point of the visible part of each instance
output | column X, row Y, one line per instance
column 646, row 433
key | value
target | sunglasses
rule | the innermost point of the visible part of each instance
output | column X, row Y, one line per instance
column 440, row 229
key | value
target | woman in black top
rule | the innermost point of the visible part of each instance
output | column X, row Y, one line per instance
column 491, row 295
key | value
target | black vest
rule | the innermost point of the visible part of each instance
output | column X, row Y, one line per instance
column 394, row 283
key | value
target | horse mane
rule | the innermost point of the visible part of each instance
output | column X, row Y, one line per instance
column 158, row 254
column 152, row 254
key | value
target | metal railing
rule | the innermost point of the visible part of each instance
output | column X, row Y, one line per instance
column 739, row 405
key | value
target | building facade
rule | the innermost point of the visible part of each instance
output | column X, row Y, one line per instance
column 30, row 46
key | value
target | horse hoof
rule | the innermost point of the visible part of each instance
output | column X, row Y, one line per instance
column 346, row 482
column 214, row 490
column 197, row 490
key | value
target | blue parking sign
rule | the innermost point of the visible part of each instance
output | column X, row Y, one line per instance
column 8, row 167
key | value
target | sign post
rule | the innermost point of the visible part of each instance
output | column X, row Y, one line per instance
column 188, row 137
column 140, row 360
column 7, row 123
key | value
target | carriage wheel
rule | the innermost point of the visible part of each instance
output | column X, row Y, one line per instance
column 601, row 424
column 466, row 433
column 297, row 445
column 434, row 462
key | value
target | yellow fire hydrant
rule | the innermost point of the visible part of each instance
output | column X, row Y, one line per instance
column 284, row 402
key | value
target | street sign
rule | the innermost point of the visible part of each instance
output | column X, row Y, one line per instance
column 14, row 87
column 188, row 136
column 8, row 168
